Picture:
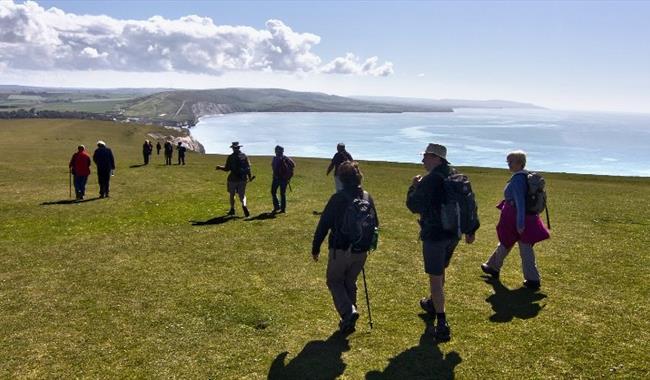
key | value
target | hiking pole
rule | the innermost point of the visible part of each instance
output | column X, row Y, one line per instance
column 548, row 220
column 70, row 183
column 365, row 287
column 290, row 189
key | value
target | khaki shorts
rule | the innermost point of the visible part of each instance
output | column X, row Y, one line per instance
column 238, row 187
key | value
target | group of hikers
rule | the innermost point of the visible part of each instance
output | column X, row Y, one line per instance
column 147, row 150
column 442, row 198
column 350, row 216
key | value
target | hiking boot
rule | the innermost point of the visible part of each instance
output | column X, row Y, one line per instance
column 533, row 285
column 442, row 332
column 246, row 213
column 348, row 323
column 427, row 305
column 491, row 271
column 231, row 211
column 275, row 211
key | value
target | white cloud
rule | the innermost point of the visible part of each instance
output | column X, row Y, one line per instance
column 421, row 75
column 351, row 64
column 38, row 39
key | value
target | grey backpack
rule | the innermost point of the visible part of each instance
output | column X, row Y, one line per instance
column 536, row 195
column 459, row 211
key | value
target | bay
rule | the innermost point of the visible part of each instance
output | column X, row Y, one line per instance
column 556, row 141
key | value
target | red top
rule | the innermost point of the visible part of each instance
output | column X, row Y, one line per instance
column 80, row 164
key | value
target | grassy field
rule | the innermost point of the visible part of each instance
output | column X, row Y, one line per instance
column 148, row 284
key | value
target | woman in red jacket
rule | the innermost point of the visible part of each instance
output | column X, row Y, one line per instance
column 80, row 169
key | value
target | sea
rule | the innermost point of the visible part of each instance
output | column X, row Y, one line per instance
column 555, row 141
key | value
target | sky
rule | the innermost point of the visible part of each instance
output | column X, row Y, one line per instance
column 567, row 55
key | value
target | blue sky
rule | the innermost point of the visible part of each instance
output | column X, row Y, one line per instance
column 564, row 55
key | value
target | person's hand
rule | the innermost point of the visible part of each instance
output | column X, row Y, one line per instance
column 416, row 180
column 315, row 256
column 469, row 239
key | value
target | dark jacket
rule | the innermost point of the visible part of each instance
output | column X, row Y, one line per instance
column 426, row 200
column 103, row 158
column 339, row 158
column 332, row 219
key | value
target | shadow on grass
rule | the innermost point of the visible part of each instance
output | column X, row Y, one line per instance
column 262, row 216
column 69, row 201
column 318, row 360
column 424, row 361
column 216, row 220
column 137, row 166
column 508, row 304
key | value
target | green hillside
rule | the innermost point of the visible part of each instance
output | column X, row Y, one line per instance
column 182, row 105
column 146, row 284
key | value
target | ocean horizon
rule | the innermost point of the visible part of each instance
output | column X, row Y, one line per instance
column 555, row 141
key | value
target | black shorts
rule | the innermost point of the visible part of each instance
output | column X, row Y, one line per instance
column 437, row 254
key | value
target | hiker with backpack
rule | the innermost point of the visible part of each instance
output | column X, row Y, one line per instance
column 519, row 221
column 282, row 172
column 340, row 157
column 439, row 231
column 169, row 151
column 351, row 219
column 181, row 153
column 240, row 172
column 147, row 148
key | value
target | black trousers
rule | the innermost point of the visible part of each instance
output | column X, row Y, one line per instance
column 104, row 178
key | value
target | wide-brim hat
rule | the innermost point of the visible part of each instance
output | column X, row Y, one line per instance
column 100, row 142
column 436, row 150
column 235, row 145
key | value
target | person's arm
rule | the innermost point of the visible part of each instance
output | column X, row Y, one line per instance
column 372, row 204
column 226, row 167
column 519, row 189
column 325, row 224
column 250, row 170
column 329, row 168
column 418, row 198
column 110, row 154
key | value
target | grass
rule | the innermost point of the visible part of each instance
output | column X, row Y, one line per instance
column 129, row 287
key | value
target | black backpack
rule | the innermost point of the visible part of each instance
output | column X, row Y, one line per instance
column 242, row 166
column 359, row 223
column 536, row 194
column 459, row 211
column 285, row 170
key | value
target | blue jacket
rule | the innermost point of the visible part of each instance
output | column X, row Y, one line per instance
column 515, row 193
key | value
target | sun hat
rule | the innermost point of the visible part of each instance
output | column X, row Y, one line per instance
column 236, row 145
column 437, row 150
column 100, row 142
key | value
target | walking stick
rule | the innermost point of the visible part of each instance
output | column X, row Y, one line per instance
column 70, row 183
column 365, row 286
column 548, row 220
